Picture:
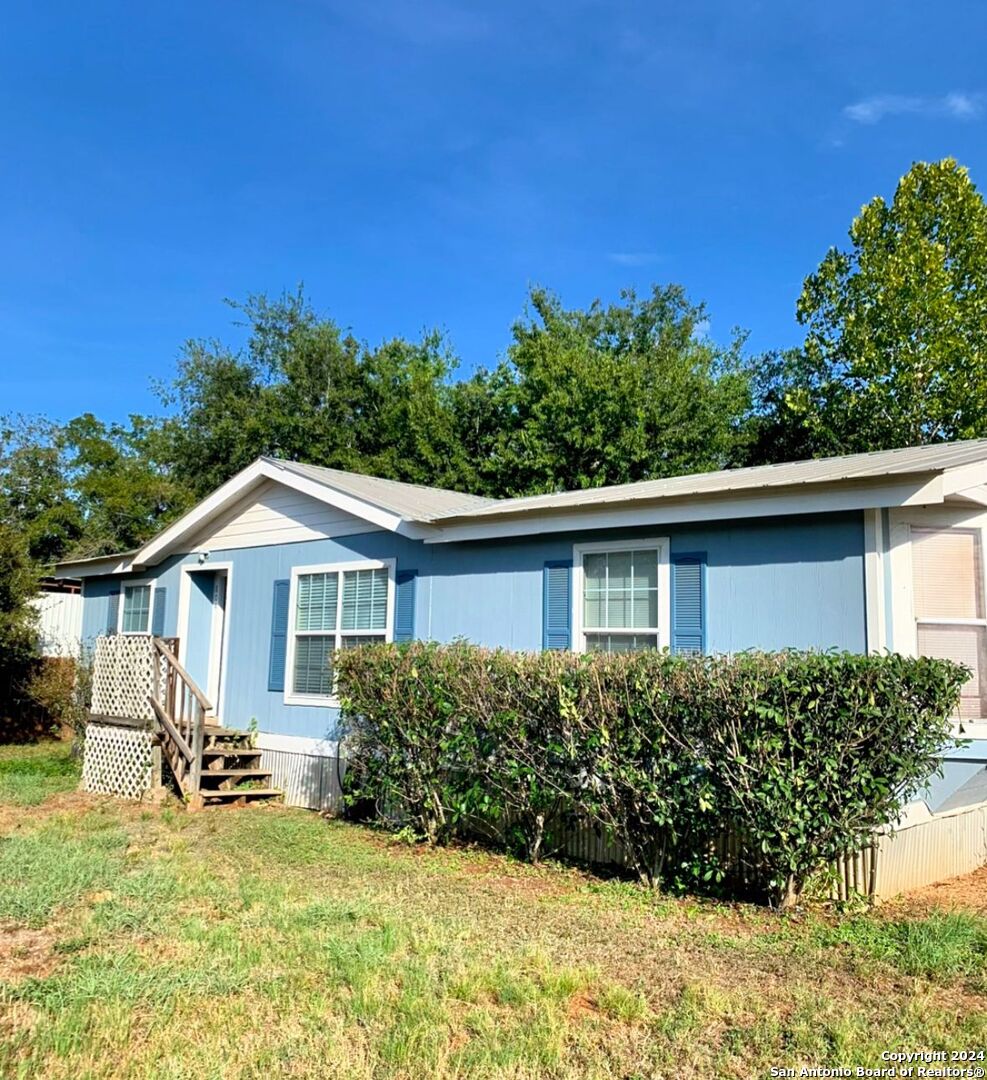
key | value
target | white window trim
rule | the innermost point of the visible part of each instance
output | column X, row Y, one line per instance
column 332, row 701
column 661, row 545
column 124, row 586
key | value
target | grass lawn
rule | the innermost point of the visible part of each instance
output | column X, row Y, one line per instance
column 150, row 942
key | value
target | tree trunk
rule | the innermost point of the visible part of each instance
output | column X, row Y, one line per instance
column 790, row 895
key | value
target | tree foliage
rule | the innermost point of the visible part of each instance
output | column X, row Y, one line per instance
column 583, row 398
column 302, row 389
column 84, row 488
column 18, row 621
column 895, row 352
column 612, row 394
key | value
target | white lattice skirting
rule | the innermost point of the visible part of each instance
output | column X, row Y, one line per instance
column 125, row 674
column 117, row 761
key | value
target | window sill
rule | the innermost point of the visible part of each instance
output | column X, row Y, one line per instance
column 318, row 700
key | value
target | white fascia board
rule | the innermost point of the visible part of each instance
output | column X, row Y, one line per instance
column 966, row 476
column 112, row 564
column 235, row 488
column 808, row 500
column 349, row 503
column 189, row 523
column 976, row 495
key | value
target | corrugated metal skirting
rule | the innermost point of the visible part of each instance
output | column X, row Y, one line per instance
column 932, row 851
column 307, row 780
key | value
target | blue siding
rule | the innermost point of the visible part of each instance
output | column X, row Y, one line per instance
column 195, row 654
column 769, row 584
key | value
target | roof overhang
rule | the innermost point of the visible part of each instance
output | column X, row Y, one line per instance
column 817, row 498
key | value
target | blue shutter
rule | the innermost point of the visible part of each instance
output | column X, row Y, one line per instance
column 279, row 636
column 557, row 605
column 404, row 605
column 113, row 612
column 689, row 603
column 158, row 617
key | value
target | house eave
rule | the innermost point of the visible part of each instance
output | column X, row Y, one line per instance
column 777, row 502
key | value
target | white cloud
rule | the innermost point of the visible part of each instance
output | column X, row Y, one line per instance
column 955, row 105
column 633, row 258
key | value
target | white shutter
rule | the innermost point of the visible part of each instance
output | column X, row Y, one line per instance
column 946, row 574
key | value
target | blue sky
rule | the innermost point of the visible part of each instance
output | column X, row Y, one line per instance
column 420, row 164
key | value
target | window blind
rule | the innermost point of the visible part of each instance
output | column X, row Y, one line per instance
column 947, row 574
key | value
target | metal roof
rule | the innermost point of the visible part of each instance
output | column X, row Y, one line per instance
column 873, row 465
column 413, row 502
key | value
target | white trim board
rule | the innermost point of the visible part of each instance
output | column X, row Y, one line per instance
column 187, row 527
column 876, row 623
column 273, row 514
column 297, row 744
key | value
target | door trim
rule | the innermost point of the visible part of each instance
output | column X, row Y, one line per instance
column 184, row 590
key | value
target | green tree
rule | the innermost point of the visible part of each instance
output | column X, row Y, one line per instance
column 613, row 394
column 34, row 489
column 84, row 488
column 300, row 388
column 125, row 494
column 896, row 327
column 18, row 631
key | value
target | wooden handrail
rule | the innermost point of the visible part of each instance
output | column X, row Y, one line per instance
column 162, row 649
column 181, row 709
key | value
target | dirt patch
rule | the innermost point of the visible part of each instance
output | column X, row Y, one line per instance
column 966, row 893
column 26, row 954
column 582, row 1005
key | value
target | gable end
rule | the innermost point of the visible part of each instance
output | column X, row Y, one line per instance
column 276, row 514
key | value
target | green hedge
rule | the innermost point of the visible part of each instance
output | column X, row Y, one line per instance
column 800, row 755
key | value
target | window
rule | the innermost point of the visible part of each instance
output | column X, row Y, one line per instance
column 948, row 598
column 135, row 611
column 621, row 596
column 334, row 607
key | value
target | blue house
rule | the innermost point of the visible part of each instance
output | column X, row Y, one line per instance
column 286, row 562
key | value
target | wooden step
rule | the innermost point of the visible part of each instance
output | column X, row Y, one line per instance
column 226, row 796
column 218, row 729
column 214, row 758
column 231, row 777
column 222, row 738
column 239, row 772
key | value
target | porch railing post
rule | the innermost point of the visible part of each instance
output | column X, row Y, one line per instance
column 182, row 716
